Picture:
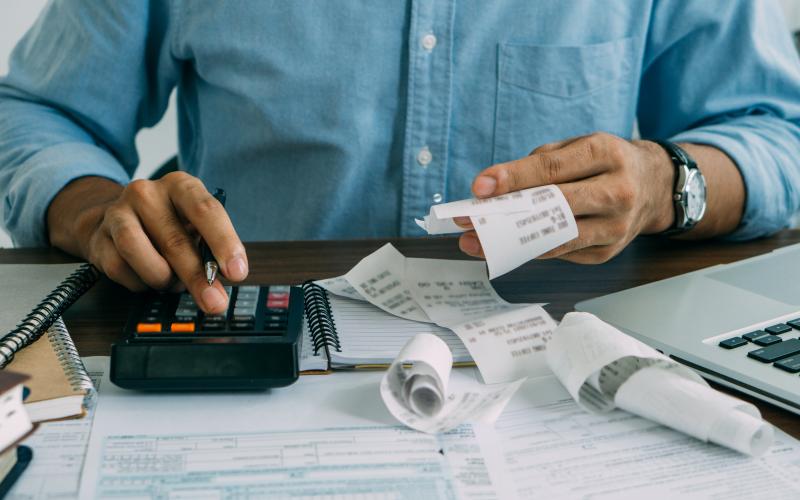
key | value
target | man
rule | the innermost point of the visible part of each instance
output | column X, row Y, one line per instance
column 350, row 118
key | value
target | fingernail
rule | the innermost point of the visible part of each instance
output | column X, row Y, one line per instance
column 237, row 269
column 213, row 299
column 462, row 221
column 485, row 185
column 470, row 244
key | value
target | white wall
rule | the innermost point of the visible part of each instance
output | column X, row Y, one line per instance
column 159, row 143
column 155, row 145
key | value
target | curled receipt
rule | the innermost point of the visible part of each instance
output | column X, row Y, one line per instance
column 603, row 369
column 415, row 389
column 513, row 228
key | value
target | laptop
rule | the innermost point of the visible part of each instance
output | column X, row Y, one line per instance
column 737, row 324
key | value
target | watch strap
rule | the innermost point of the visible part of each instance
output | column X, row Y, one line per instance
column 679, row 158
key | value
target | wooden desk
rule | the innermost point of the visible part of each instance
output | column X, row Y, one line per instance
column 96, row 320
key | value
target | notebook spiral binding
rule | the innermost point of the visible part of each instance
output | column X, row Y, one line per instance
column 37, row 322
column 320, row 320
column 71, row 361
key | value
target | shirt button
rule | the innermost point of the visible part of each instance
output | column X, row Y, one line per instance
column 437, row 198
column 424, row 157
column 428, row 42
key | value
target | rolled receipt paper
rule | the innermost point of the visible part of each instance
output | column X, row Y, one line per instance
column 513, row 228
column 415, row 389
column 602, row 368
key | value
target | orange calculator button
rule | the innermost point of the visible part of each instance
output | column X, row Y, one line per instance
column 182, row 327
column 148, row 327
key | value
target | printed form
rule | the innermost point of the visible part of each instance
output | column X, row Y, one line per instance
column 331, row 437
column 58, row 451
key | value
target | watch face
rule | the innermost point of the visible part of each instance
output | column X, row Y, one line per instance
column 695, row 195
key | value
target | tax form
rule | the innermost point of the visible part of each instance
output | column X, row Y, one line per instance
column 551, row 448
column 323, row 437
column 59, row 448
column 331, row 437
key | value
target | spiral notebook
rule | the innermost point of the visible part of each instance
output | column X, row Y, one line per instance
column 342, row 333
column 37, row 342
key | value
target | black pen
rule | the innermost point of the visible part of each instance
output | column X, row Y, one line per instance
column 209, row 261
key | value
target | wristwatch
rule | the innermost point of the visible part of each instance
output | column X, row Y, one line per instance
column 689, row 193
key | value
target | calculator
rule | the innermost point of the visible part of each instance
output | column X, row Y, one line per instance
column 170, row 344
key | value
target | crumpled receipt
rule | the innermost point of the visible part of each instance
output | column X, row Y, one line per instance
column 513, row 228
column 603, row 369
column 415, row 389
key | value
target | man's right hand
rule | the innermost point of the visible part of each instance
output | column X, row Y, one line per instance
column 146, row 233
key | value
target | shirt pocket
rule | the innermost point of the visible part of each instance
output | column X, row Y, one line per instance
column 551, row 93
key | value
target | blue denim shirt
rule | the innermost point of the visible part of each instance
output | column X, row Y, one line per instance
column 336, row 119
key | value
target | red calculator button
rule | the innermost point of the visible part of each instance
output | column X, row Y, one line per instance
column 278, row 303
column 148, row 328
column 182, row 327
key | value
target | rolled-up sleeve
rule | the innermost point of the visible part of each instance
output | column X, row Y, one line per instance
column 82, row 82
column 725, row 73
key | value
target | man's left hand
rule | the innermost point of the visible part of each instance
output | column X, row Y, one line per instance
column 616, row 188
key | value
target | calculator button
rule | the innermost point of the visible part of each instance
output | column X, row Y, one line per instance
column 216, row 318
column 242, row 325
column 733, row 343
column 185, row 311
column 153, row 311
column 182, row 327
column 795, row 323
column 275, row 326
column 778, row 329
column 249, row 289
column 279, row 302
column 791, row 365
column 213, row 326
column 271, row 318
column 148, row 327
column 276, row 311
column 244, row 317
column 279, row 289
column 248, row 303
column 767, row 340
column 151, row 319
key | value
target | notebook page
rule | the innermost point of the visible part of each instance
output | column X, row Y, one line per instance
column 369, row 335
column 24, row 286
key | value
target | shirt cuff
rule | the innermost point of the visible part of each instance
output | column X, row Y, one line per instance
column 767, row 200
column 39, row 179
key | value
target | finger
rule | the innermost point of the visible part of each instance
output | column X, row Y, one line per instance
column 193, row 201
column 178, row 248
column 592, row 231
column 470, row 245
column 552, row 146
column 134, row 246
column 464, row 222
column 589, row 197
column 592, row 255
column 115, row 267
column 577, row 160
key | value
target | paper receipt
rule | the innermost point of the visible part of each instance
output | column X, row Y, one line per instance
column 603, row 369
column 513, row 228
column 506, row 341
column 415, row 389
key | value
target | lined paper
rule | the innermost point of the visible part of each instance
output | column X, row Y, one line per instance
column 369, row 335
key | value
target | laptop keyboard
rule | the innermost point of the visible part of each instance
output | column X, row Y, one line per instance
column 776, row 343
